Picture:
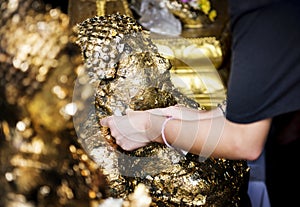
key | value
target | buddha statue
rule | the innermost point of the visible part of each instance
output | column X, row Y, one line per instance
column 47, row 157
column 126, row 71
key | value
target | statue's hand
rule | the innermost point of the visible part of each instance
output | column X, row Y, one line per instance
column 134, row 130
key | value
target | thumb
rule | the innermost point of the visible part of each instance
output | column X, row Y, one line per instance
column 104, row 121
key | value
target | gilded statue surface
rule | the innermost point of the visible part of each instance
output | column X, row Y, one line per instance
column 127, row 72
column 46, row 158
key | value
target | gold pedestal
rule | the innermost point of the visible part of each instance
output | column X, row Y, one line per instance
column 195, row 67
column 198, row 56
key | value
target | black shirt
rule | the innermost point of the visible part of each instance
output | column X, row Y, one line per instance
column 265, row 69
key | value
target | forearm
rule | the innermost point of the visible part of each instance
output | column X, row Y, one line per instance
column 197, row 136
column 204, row 133
column 215, row 136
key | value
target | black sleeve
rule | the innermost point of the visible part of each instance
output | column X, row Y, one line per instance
column 265, row 70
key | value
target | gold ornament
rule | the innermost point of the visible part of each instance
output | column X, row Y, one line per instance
column 126, row 71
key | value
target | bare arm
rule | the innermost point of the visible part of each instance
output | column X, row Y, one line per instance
column 205, row 133
column 218, row 137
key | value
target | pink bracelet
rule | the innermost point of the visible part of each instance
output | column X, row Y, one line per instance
column 163, row 133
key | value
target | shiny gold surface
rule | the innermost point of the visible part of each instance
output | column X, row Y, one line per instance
column 195, row 62
column 43, row 162
column 79, row 10
column 198, row 54
column 191, row 17
column 127, row 71
column 105, row 7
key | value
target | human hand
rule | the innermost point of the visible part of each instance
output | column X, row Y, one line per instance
column 134, row 130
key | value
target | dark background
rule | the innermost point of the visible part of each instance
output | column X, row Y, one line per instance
column 62, row 4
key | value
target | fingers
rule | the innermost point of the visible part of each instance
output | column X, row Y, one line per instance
column 105, row 121
column 110, row 123
column 133, row 130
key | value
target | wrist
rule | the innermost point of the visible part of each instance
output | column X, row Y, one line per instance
column 164, row 139
column 153, row 127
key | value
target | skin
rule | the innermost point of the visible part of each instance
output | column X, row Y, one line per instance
column 206, row 133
